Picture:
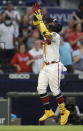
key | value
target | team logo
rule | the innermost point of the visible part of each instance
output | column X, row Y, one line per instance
column 19, row 76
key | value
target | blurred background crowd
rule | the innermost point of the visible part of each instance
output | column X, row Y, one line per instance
column 21, row 43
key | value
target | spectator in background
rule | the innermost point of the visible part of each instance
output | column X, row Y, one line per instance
column 30, row 25
column 37, row 54
column 7, row 36
column 3, row 14
column 22, row 60
column 34, row 36
column 78, row 58
column 78, row 16
column 29, row 12
column 44, row 13
column 2, row 17
column 23, row 37
column 66, row 55
column 15, row 17
column 68, row 30
column 24, row 22
column 76, row 36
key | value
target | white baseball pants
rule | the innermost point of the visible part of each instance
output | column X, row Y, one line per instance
column 50, row 74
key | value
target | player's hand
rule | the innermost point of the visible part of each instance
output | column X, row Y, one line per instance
column 38, row 15
column 36, row 8
column 37, row 12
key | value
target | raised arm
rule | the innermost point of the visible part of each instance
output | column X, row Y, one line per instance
column 38, row 22
column 77, row 18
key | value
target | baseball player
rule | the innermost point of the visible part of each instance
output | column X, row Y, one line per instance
column 52, row 68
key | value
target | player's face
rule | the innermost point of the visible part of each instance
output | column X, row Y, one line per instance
column 22, row 49
column 48, row 26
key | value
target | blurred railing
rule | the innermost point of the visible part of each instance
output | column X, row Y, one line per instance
column 29, row 94
column 18, row 95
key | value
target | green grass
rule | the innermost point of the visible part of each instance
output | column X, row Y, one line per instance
column 41, row 128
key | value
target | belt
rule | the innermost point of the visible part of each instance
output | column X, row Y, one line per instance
column 52, row 62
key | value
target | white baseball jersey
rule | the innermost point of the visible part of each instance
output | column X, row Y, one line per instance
column 38, row 56
column 51, row 50
column 13, row 15
column 7, row 36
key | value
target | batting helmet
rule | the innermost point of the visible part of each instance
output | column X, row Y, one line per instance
column 53, row 25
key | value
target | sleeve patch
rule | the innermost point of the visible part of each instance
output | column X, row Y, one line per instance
column 50, row 36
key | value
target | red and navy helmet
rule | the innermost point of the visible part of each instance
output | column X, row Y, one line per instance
column 53, row 25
